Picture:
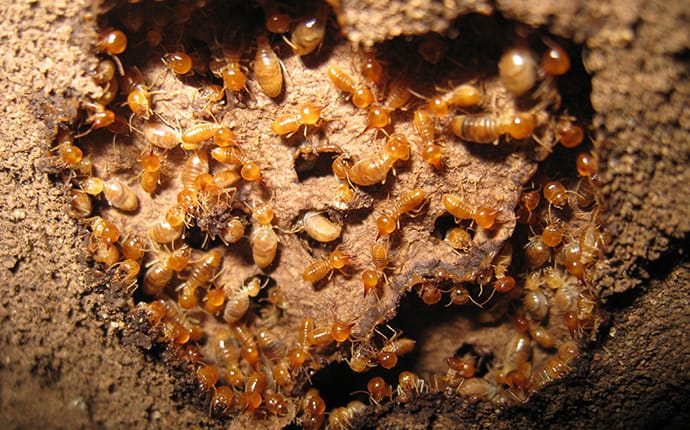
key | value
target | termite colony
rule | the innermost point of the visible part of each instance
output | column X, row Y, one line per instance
column 265, row 195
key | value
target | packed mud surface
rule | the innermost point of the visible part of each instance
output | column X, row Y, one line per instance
column 75, row 355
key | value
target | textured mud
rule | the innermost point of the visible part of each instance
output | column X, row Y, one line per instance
column 62, row 361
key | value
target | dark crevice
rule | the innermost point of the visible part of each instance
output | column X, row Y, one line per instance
column 677, row 253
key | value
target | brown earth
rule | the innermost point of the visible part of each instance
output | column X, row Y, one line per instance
column 64, row 365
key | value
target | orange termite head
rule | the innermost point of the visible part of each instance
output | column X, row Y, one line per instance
column 338, row 259
column 310, row 113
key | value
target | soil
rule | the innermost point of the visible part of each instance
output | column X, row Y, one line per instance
column 65, row 362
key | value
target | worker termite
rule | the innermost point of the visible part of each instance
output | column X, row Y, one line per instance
column 341, row 330
column 161, row 135
column 225, row 351
column 289, row 124
column 225, row 137
column 504, row 284
column 320, row 337
column 398, row 95
column 161, row 270
column 212, row 95
column 569, row 134
column 249, row 351
column 80, row 204
column 586, row 164
column 109, row 92
column 233, row 231
column 156, row 278
column 459, row 295
column 153, row 312
column 394, row 347
column 276, row 404
column 591, row 244
column 409, row 203
column 104, row 72
column 296, row 357
column 222, row 401
column 267, row 68
column 488, row 128
column 517, row 70
column 464, row 95
column 314, row 408
column 308, row 33
column 552, row 234
column 429, row 292
column 271, row 346
column 529, row 201
column 378, row 390
column 213, row 300
column 410, row 386
column 120, row 196
column 362, row 357
column 234, row 75
column 102, row 252
column 178, row 62
column 191, row 354
column 264, row 242
column 207, row 375
column 150, row 177
column 139, row 101
column 70, row 155
column 515, row 369
column 374, row 168
column 476, row 389
column 555, row 61
column 541, row 336
column 377, row 117
column 112, row 42
column 194, row 166
column 163, row 232
column 252, row 397
column 554, row 368
column 276, row 21
column 340, row 418
column 425, row 128
column 319, row 227
column 554, row 278
column 238, row 300
column 586, row 193
column 343, row 195
column 125, row 274
column 566, row 297
column 281, row 373
column 193, row 136
column 205, row 269
column 555, row 193
column 536, row 305
column 98, row 117
column 463, row 367
column 379, row 255
column 371, row 68
column 502, row 261
column 362, row 96
column 483, row 216
column 250, row 171
column 536, row 252
column 319, row 269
